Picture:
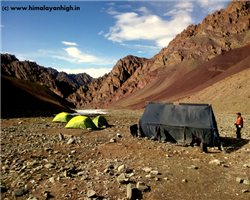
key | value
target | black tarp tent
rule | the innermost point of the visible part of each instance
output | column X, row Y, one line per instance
column 180, row 122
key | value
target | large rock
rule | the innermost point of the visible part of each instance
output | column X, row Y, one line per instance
column 71, row 141
column 129, row 191
column 19, row 192
column 32, row 198
column 239, row 180
column 216, row 162
column 141, row 186
column 91, row 193
column 122, row 178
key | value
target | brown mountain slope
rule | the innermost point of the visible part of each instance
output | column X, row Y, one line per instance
column 230, row 95
column 219, row 32
column 172, row 87
column 20, row 98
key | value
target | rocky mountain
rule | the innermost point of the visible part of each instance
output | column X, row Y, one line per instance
column 75, row 80
column 219, row 33
column 31, row 71
column 173, row 88
column 100, row 89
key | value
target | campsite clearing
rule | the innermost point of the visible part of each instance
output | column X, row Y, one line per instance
column 99, row 163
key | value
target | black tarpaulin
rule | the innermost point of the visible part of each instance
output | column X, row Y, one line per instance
column 181, row 123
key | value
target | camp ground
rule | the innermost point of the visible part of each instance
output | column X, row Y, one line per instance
column 100, row 121
column 181, row 123
column 81, row 122
column 62, row 117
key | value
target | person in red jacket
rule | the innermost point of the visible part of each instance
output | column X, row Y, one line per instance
column 239, row 125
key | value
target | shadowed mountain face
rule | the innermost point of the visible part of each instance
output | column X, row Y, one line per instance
column 199, row 56
column 28, row 89
column 22, row 98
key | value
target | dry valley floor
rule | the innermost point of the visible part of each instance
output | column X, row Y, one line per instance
column 43, row 160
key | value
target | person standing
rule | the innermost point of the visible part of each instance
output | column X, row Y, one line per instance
column 239, row 125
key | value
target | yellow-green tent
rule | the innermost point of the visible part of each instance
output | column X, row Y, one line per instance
column 80, row 122
column 100, row 121
column 62, row 117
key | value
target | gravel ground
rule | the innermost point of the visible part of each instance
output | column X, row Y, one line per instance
column 43, row 160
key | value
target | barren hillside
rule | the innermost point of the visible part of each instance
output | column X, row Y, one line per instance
column 230, row 95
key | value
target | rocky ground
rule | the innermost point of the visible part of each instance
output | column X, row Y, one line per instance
column 43, row 160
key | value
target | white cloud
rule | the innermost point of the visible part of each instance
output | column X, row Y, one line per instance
column 125, row 6
column 132, row 26
column 110, row 4
column 112, row 11
column 81, row 57
column 69, row 43
column 146, row 46
column 95, row 73
column 100, row 33
column 64, row 58
column 184, row 5
column 166, row 40
column 1, row 26
column 209, row 6
column 143, row 9
column 75, row 56
column 140, row 51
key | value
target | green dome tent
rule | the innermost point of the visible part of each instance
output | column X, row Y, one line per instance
column 80, row 122
column 62, row 117
column 100, row 121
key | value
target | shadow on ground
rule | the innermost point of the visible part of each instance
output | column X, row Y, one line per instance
column 232, row 144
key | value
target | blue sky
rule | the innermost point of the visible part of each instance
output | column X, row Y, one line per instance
column 95, row 37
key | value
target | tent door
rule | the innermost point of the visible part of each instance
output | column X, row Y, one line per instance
column 165, row 135
column 188, row 136
column 152, row 131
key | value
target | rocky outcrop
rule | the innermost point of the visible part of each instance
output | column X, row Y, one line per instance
column 75, row 80
column 99, row 90
column 219, row 32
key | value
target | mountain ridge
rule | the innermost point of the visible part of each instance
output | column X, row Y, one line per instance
column 75, row 80
column 218, row 33
column 59, row 82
